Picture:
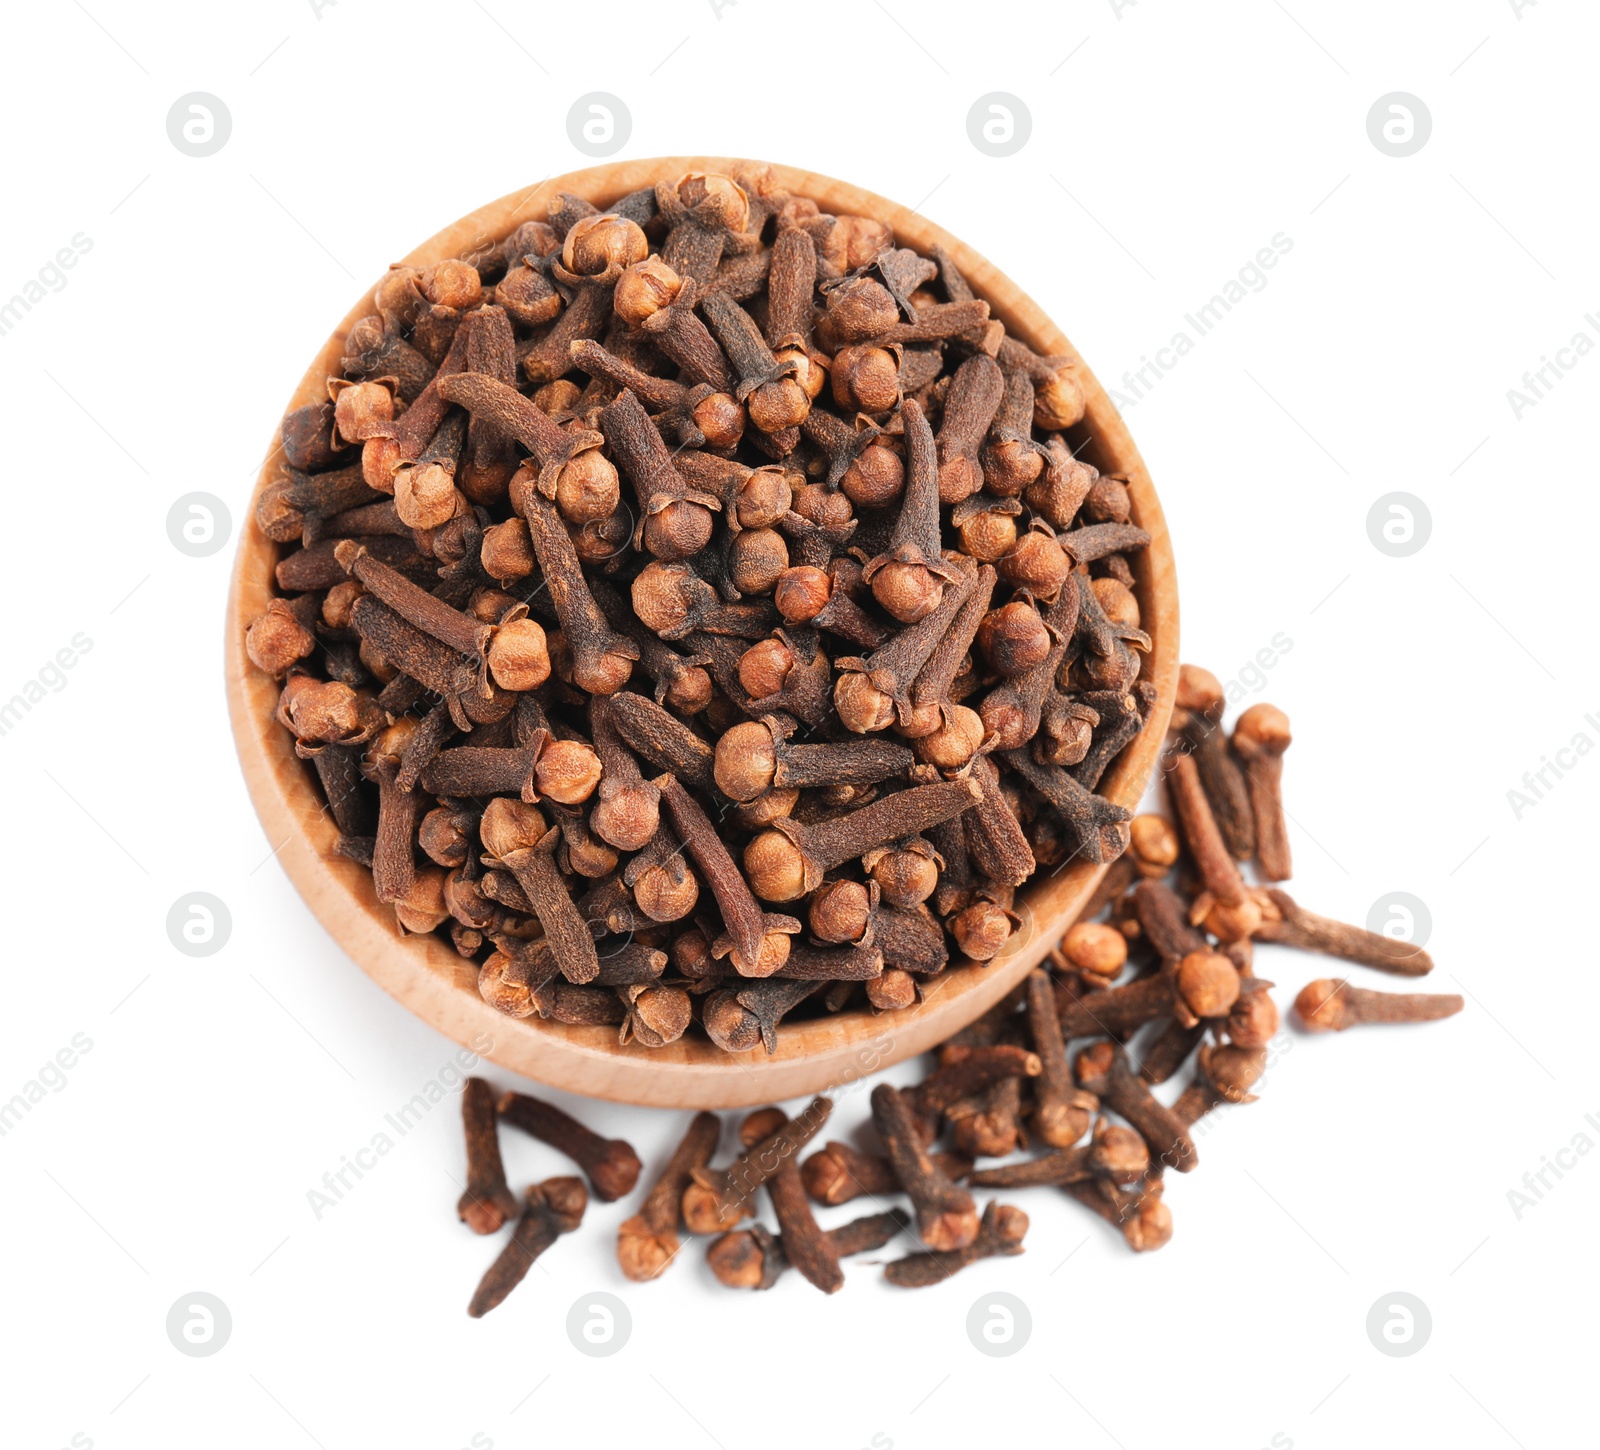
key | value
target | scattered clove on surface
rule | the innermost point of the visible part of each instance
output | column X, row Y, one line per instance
column 552, row 1208
column 487, row 1204
column 1154, row 990
column 648, row 1241
column 610, row 1165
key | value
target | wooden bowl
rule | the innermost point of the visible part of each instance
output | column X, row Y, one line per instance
column 427, row 976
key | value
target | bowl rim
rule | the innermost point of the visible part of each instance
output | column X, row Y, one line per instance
column 427, row 976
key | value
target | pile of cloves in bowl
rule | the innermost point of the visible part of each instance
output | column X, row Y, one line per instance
column 695, row 613
column 1156, row 975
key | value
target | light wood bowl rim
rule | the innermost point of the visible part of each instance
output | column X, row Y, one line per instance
column 429, row 978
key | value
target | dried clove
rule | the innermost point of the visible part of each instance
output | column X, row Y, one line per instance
column 610, row 1165
column 947, row 1218
column 1117, row 1155
column 805, row 1245
column 737, row 1019
column 648, row 1241
column 790, row 859
column 553, row 1208
column 740, row 914
column 1259, row 739
column 908, row 578
column 663, row 740
column 1142, row 1215
column 1286, row 923
column 1061, row 1110
column 628, row 813
column 753, row 1258
column 968, row 1074
column 1200, row 701
column 487, row 1203
column 754, row 756
column 1200, row 831
column 1103, row 1070
column 716, row 1200
column 516, row 838
column 999, row 1233
column 1330, row 1005
column 838, row 1173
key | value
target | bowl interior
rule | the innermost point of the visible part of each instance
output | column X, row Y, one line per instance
column 434, row 982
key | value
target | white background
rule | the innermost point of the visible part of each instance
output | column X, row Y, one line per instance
column 1169, row 143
